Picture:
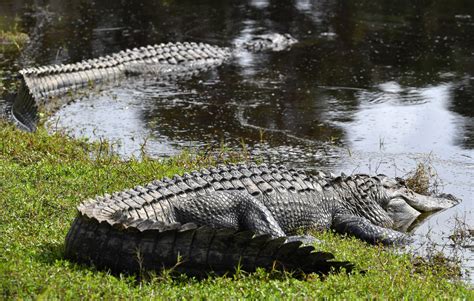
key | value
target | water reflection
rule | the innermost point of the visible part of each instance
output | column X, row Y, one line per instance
column 405, row 120
column 261, row 4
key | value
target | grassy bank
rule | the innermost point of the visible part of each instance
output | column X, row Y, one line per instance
column 43, row 178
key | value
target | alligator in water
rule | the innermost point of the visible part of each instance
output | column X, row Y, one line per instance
column 46, row 88
column 245, row 214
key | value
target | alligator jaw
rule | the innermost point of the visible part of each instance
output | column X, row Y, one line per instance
column 425, row 203
column 396, row 189
column 406, row 208
column 402, row 214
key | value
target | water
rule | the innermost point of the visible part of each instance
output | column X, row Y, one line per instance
column 371, row 87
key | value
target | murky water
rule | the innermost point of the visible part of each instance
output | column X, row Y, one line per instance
column 372, row 86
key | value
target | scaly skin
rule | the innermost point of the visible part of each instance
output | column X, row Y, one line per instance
column 46, row 88
column 241, row 214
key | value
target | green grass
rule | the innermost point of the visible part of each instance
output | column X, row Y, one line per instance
column 12, row 39
column 11, row 35
column 42, row 179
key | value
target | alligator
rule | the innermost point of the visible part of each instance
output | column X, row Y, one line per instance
column 45, row 88
column 222, row 217
column 246, row 215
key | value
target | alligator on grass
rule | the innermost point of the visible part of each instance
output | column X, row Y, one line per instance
column 222, row 217
column 44, row 89
column 243, row 215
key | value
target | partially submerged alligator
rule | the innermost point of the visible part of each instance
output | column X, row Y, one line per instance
column 246, row 215
column 45, row 88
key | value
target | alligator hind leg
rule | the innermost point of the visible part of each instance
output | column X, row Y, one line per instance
column 233, row 209
column 228, row 209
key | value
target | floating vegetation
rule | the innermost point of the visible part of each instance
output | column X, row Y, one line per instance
column 424, row 179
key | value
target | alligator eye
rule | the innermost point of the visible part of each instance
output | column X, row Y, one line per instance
column 401, row 181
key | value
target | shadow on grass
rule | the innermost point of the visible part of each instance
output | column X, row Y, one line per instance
column 49, row 253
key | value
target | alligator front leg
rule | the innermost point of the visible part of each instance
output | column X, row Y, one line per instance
column 363, row 229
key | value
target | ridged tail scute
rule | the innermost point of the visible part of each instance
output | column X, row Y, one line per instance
column 189, row 249
column 46, row 88
column 25, row 108
column 135, row 230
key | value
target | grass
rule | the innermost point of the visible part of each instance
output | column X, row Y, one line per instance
column 12, row 39
column 11, row 36
column 43, row 177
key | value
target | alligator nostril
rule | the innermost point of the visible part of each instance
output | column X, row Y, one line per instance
column 449, row 197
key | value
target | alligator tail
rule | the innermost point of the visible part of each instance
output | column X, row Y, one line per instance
column 46, row 88
column 25, row 108
column 152, row 246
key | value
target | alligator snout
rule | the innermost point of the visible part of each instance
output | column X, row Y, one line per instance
column 425, row 203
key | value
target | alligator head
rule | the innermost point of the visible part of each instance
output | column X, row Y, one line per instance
column 404, row 205
column 271, row 41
